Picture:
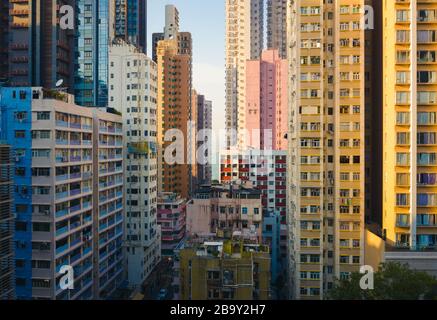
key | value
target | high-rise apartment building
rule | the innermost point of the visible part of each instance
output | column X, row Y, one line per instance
column 192, row 142
column 204, row 129
column 267, row 102
column 133, row 92
column 39, row 49
column 174, row 112
column 171, row 31
column 373, row 114
column 326, row 144
column 131, row 22
column 277, row 26
column 409, row 124
column 225, row 270
column 4, row 40
column 266, row 172
column 109, row 214
column 7, row 250
column 244, row 41
column 91, row 52
column 68, row 196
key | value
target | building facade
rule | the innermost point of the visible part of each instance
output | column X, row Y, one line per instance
column 110, row 272
column 172, row 217
column 171, row 31
column 326, row 144
column 7, row 250
column 230, row 270
column 68, row 194
column 131, row 22
column 244, row 41
column 174, row 112
column 409, row 124
column 91, row 52
column 4, row 40
column 266, row 172
column 134, row 94
column 204, row 130
column 267, row 102
column 226, row 210
column 271, row 238
column 39, row 51
column 277, row 26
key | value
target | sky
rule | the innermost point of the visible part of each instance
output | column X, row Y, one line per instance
column 205, row 19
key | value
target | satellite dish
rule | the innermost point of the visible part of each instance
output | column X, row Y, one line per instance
column 59, row 83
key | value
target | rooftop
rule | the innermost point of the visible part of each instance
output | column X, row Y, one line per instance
column 232, row 190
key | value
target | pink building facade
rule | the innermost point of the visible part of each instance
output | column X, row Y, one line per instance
column 172, row 214
column 266, row 101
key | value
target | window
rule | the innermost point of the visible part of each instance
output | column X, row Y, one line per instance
column 344, row 259
column 41, row 134
column 41, row 227
column 402, row 15
column 20, row 134
column 41, row 283
column 402, row 199
column 40, row 153
column 20, row 116
column 213, row 275
column 43, row 115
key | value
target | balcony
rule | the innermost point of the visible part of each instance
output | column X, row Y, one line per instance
column 75, row 125
column 61, row 231
column 75, row 192
column 61, row 195
column 62, row 177
column 62, row 249
column 75, row 158
column 62, row 123
column 62, row 213
column 62, row 142
column 75, row 208
column 75, row 142
column 75, row 258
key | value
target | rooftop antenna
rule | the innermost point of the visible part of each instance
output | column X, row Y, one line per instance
column 58, row 85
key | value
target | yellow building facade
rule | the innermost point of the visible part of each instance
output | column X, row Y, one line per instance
column 326, row 144
column 410, row 123
column 230, row 270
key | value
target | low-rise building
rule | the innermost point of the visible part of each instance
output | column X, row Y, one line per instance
column 226, row 210
column 225, row 270
column 172, row 214
column 266, row 171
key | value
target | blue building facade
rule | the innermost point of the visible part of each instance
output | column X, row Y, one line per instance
column 16, row 131
column 271, row 237
column 68, row 209
column 137, row 23
column 131, row 22
column 92, row 50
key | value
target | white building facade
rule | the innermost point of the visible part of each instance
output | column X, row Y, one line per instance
column 133, row 92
